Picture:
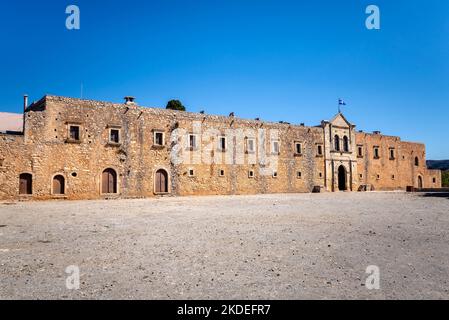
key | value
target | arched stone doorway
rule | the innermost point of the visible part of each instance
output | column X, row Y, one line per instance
column 109, row 181
column 161, row 181
column 342, row 185
column 26, row 184
column 420, row 183
column 58, row 185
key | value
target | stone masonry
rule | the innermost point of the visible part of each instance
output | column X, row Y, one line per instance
column 83, row 149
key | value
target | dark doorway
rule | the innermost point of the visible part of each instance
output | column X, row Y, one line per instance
column 109, row 181
column 161, row 182
column 420, row 184
column 58, row 185
column 342, row 178
column 25, row 183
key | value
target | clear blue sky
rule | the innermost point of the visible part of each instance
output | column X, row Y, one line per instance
column 277, row 60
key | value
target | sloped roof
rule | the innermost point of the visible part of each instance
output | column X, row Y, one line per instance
column 11, row 122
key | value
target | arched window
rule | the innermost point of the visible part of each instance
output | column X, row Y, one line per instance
column 109, row 181
column 346, row 144
column 337, row 143
column 25, row 183
column 58, row 185
column 416, row 161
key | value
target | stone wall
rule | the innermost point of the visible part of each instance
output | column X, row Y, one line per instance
column 46, row 150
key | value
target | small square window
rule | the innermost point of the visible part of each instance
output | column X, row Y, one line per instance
column 114, row 135
column 250, row 174
column 299, row 175
column 221, row 173
column 159, row 138
column 321, row 174
column 74, row 133
column 361, row 176
column 275, row 174
column 191, row 173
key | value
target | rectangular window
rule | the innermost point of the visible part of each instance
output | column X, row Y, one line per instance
column 360, row 151
column 250, row 174
column 434, row 180
column 192, row 141
column 158, row 138
column 299, row 175
column 298, row 148
column 250, row 145
column 376, row 153
column 221, row 173
column 320, row 150
column 275, row 174
column 114, row 135
column 275, row 147
column 392, row 155
column 191, row 173
column 222, row 143
column 74, row 133
column 1, row 162
column 392, row 177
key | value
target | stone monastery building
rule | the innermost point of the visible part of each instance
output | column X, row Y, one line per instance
column 83, row 149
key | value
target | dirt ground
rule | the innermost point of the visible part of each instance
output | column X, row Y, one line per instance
column 287, row 246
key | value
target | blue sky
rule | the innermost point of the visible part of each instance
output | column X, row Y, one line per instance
column 277, row 60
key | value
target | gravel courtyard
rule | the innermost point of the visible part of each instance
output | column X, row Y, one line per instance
column 288, row 246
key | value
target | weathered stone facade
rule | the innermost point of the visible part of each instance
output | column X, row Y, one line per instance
column 82, row 149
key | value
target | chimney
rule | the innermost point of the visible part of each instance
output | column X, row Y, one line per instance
column 25, row 102
column 130, row 100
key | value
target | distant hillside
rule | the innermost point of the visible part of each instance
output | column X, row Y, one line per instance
column 438, row 164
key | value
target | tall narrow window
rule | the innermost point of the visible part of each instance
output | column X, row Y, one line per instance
column 360, row 151
column 392, row 156
column 416, row 161
column 275, row 147
column 222, row 143
column 337, row 143
column 320, row 150
column 376, row 152
column 250, row 145
column 345, row 144
column 192, row 141
column 298, row 148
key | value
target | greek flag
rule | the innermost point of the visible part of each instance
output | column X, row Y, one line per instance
column 341, row 102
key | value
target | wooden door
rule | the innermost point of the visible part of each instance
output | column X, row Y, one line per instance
column 58, row 185
column 161, row 182
column 25, row 183
column 109, row 181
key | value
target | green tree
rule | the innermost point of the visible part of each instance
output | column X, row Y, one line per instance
column 445, row 179
column 175, row 105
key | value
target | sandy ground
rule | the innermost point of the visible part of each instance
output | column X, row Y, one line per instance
column 289, row 246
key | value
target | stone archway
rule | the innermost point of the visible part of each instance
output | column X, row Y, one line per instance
column 342, row 177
